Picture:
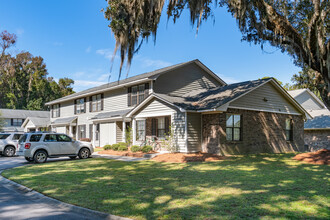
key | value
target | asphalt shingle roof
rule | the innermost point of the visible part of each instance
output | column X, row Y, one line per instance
column 212, row 98
column 111, row 114
column 150, row 75
column 64, row 120
column 40, row 122
column 18, row 113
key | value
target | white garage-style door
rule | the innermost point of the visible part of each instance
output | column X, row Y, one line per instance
column 107, row 133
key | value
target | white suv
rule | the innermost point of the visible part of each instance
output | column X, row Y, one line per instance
column 38, row 147
column 8, row 143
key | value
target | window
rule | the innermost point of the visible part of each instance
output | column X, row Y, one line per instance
column 63, row 138
column 22, row 139
column 140, row 130
column 35, row 137
column 50, row 138
column 4, row 136
column 289, row 129
column 56, row 111
column 233, row 127
column 80, row 106
column 136, row 94
column 17, row 136
column 161, row 128
column 96, row 103
column 16, row 121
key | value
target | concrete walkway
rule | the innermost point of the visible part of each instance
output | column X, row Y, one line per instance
column 124, row 158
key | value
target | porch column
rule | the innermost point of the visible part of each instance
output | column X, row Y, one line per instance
column 94, row 135
column 134, row 130
column 70, row 131
column 124, row 131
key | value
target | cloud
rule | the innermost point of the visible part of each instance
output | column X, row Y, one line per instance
column 103, row 77
column 106, row 53
column 88, row 49
column 78, row 74
column 228, row 80
column 146, row 62
column 80, row 85
column 19, row 31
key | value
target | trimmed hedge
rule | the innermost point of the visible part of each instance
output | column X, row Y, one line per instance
column 115, row 147
column 146, row 149
column 107, row 147
column 135, row 148
column 122, row 148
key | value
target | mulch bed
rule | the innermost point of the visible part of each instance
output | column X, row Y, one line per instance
column 184, row 158
column 124, row 153
column 318, row 157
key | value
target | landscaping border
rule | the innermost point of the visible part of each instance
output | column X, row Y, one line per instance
column 54, row 202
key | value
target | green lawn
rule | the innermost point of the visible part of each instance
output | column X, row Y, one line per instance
column 263, row 186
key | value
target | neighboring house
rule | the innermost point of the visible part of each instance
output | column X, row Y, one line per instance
column 316, row 130
column 204, row 113
column 36, row 124
column 14, row 119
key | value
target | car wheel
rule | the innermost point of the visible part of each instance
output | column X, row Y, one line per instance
column 40, row 156
column 29, row 159
column 84, row 153
column 73, row 157
column 9, row 151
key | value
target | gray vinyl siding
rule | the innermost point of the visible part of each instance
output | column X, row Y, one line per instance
column 119, row 131
column 194, row 132
column 308, row 102
column 255, row 100
column 184, row 80
column 159, row 108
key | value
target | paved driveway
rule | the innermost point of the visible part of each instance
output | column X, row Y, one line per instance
column 17, row 205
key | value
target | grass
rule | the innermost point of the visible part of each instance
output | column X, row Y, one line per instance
column 257, row 186
column 97, row 149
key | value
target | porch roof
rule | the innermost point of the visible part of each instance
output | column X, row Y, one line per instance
column 63, row 121
column 113, row 114
column 38, row 122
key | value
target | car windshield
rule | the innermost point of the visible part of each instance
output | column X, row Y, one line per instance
column 4, row 136
column 22, row 139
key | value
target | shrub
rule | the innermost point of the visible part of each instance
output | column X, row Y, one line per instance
column 115, row 147
column 107, row 147
column 146, row 149
column 123, row 144
column 122, row 148
column 135, row 148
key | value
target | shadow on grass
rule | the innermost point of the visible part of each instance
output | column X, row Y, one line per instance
column 252, row 186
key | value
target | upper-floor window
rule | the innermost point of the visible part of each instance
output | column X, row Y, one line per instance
column 96, row 103
column 80, row 106
column 16, row 121
column 56, row 111
column 289, row 129
column 233, row 127
column 136, row 94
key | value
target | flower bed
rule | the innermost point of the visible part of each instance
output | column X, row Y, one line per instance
column 184, row 158
column 318, row 157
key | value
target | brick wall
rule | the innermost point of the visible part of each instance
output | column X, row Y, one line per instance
column 262, row 132
column 317, row 139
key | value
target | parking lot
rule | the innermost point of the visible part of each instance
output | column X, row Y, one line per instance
column 18, row 205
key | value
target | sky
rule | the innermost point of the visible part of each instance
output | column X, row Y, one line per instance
column 75, row 41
